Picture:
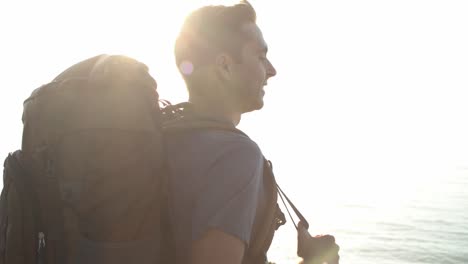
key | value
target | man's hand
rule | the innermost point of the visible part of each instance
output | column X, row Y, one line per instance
column 318, row 249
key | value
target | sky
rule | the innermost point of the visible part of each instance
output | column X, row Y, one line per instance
column 370, row 95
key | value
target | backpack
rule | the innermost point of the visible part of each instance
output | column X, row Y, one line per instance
column 87, row 185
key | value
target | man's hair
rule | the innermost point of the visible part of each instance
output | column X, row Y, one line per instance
column 210, row 30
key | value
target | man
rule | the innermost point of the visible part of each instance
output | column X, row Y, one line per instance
column 218, row 192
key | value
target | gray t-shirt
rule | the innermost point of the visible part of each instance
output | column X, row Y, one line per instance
column 216, row 181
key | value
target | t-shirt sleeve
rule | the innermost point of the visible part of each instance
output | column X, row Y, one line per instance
column 229, row 200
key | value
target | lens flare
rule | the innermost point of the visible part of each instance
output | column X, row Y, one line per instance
column 186, row 67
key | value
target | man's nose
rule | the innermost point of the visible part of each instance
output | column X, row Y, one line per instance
column 271, row 71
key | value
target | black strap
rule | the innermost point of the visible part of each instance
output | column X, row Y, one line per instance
column 301, row 217
column 287, row 209
column 282, row 194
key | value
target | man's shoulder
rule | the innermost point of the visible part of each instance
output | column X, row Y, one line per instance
column 236, row 140
column 209, row 153
column 217, row 140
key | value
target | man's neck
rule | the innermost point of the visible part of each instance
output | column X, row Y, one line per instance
column 215, row 109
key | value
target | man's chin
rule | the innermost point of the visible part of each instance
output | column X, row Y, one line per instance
column 260, row 104
column 257, row 105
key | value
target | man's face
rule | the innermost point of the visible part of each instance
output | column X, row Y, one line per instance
column 250, row 74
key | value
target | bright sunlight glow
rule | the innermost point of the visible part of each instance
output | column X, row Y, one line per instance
column 369, row 101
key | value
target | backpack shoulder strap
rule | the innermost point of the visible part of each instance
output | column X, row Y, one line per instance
column 266, row 224
column 180, row 118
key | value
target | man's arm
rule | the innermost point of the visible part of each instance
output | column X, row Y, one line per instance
column 224, row 210
column 217, row 247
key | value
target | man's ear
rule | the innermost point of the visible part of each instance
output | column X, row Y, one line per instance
column 223, row 66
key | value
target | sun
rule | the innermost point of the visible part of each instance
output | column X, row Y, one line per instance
column 47, row 37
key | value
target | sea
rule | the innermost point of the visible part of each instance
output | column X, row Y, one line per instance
column 428, row 227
